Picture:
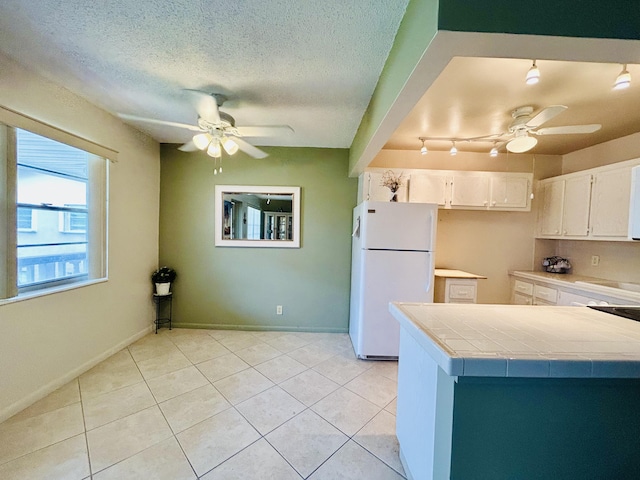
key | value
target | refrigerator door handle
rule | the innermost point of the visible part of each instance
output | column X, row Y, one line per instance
column 356, row 229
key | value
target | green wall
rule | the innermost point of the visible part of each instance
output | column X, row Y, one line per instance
column 231, row 287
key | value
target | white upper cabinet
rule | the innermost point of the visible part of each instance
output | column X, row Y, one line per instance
column 610, row 203
column 591, row 205
column 577, row 201
column 430, row 189
column 464, row 190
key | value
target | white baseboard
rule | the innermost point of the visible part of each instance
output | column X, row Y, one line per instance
column 266, row 328
column 52, row 386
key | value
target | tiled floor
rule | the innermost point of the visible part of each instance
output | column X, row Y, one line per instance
column 214, row 404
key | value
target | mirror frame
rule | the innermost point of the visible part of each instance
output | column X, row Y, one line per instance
column 221, row 190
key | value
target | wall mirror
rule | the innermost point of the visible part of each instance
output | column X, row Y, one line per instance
column 257, row 216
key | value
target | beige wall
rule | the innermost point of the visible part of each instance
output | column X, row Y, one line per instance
column 482, row 242
column 48, row 340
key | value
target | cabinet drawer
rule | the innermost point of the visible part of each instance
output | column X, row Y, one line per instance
column 523, row 287
column 462, row 292
column 519, row 299
column 545, row 293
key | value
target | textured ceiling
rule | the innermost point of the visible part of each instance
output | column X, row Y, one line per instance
column 310, row 65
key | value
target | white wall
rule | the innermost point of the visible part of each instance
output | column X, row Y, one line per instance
column 46, row 341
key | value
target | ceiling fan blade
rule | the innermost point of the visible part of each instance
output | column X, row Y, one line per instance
column 249, row 149
column 206, row 105
column 257, row 131
column 545, row 115
column 569, row 129
column 188, row 147
column 135, row 118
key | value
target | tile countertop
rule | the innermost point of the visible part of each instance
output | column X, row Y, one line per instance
column 447, row 273
column 523, row 341
column 578, row 282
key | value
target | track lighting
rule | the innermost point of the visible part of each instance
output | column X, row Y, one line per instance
column 454, row 150
column 623, row 80
column 494, row 151
column 533, row 75
column 423, row 150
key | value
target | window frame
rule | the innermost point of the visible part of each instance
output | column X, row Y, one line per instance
column 97, row 209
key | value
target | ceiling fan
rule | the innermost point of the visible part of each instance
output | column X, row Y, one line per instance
column 524, row 125
column 217, row 130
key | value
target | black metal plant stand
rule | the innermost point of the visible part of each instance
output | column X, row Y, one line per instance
column 159, row 300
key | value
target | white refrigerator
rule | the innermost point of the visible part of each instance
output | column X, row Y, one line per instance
column 392, row 259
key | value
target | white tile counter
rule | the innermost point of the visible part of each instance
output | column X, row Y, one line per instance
column 523, row 341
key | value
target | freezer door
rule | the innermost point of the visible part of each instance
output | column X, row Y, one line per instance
column 389, row 276
column 398, row 226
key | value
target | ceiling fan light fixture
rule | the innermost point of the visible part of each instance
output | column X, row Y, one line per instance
column 423, row 150
column 229, row 145
column 521, row 143
column 533, row 75
column 214, row 149
column 202, row 140
column 454, row 150
column 623, row 80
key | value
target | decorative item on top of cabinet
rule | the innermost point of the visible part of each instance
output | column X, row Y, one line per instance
column 371, row 187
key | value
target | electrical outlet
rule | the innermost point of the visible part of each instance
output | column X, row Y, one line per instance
column 595, row 260
column 279, row 310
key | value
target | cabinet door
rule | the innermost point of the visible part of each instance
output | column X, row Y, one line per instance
column 374, row 190
column 610, row 203
column 429, row 189
column 509, row 192
column 470, row 191
column 550, row 220
column 577, row 202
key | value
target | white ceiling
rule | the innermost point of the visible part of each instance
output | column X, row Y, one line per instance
column 310, row 65
column 475, row 97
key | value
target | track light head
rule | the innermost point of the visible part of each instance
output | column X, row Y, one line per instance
column 423, row 150
column 533, row 75
column 493, row 152
column 623, row 80
column 454, row 150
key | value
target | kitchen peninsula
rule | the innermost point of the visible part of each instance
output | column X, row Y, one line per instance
column 511, row 391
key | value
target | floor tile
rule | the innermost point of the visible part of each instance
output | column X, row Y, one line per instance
column 379, row 438
column 259, row 461
column 306, row 441
column 281, row 368
column 270, row 409
column 311, row 355
column 25, row 436
column 309, row 387
column 211, row 442
column 352, row 462
column 243, row 385
column 267, row 335
column 392, row 407
column 346, row 411
column 166, row 363
column 388, row 369
column 150, row 346
column 115, row 372
column 117, row 404
column 192, row 407
column 163, row 461
column 287, row 343
column 257, row 354
column 201, row 348
column 375, row 388
column 221, row 367
column 67, row 459
column 176, row 383
column 342, row 370
column 239, row 340
column 62, row 397
column 123, row 438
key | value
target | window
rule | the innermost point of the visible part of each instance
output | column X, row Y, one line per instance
column 62, row 187
column 253, row 223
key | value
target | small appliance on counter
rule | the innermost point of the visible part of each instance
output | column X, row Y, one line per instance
column 556, row 265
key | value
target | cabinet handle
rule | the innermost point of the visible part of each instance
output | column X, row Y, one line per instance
column 564, row 233
column 485, row 202
column 493, row 203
